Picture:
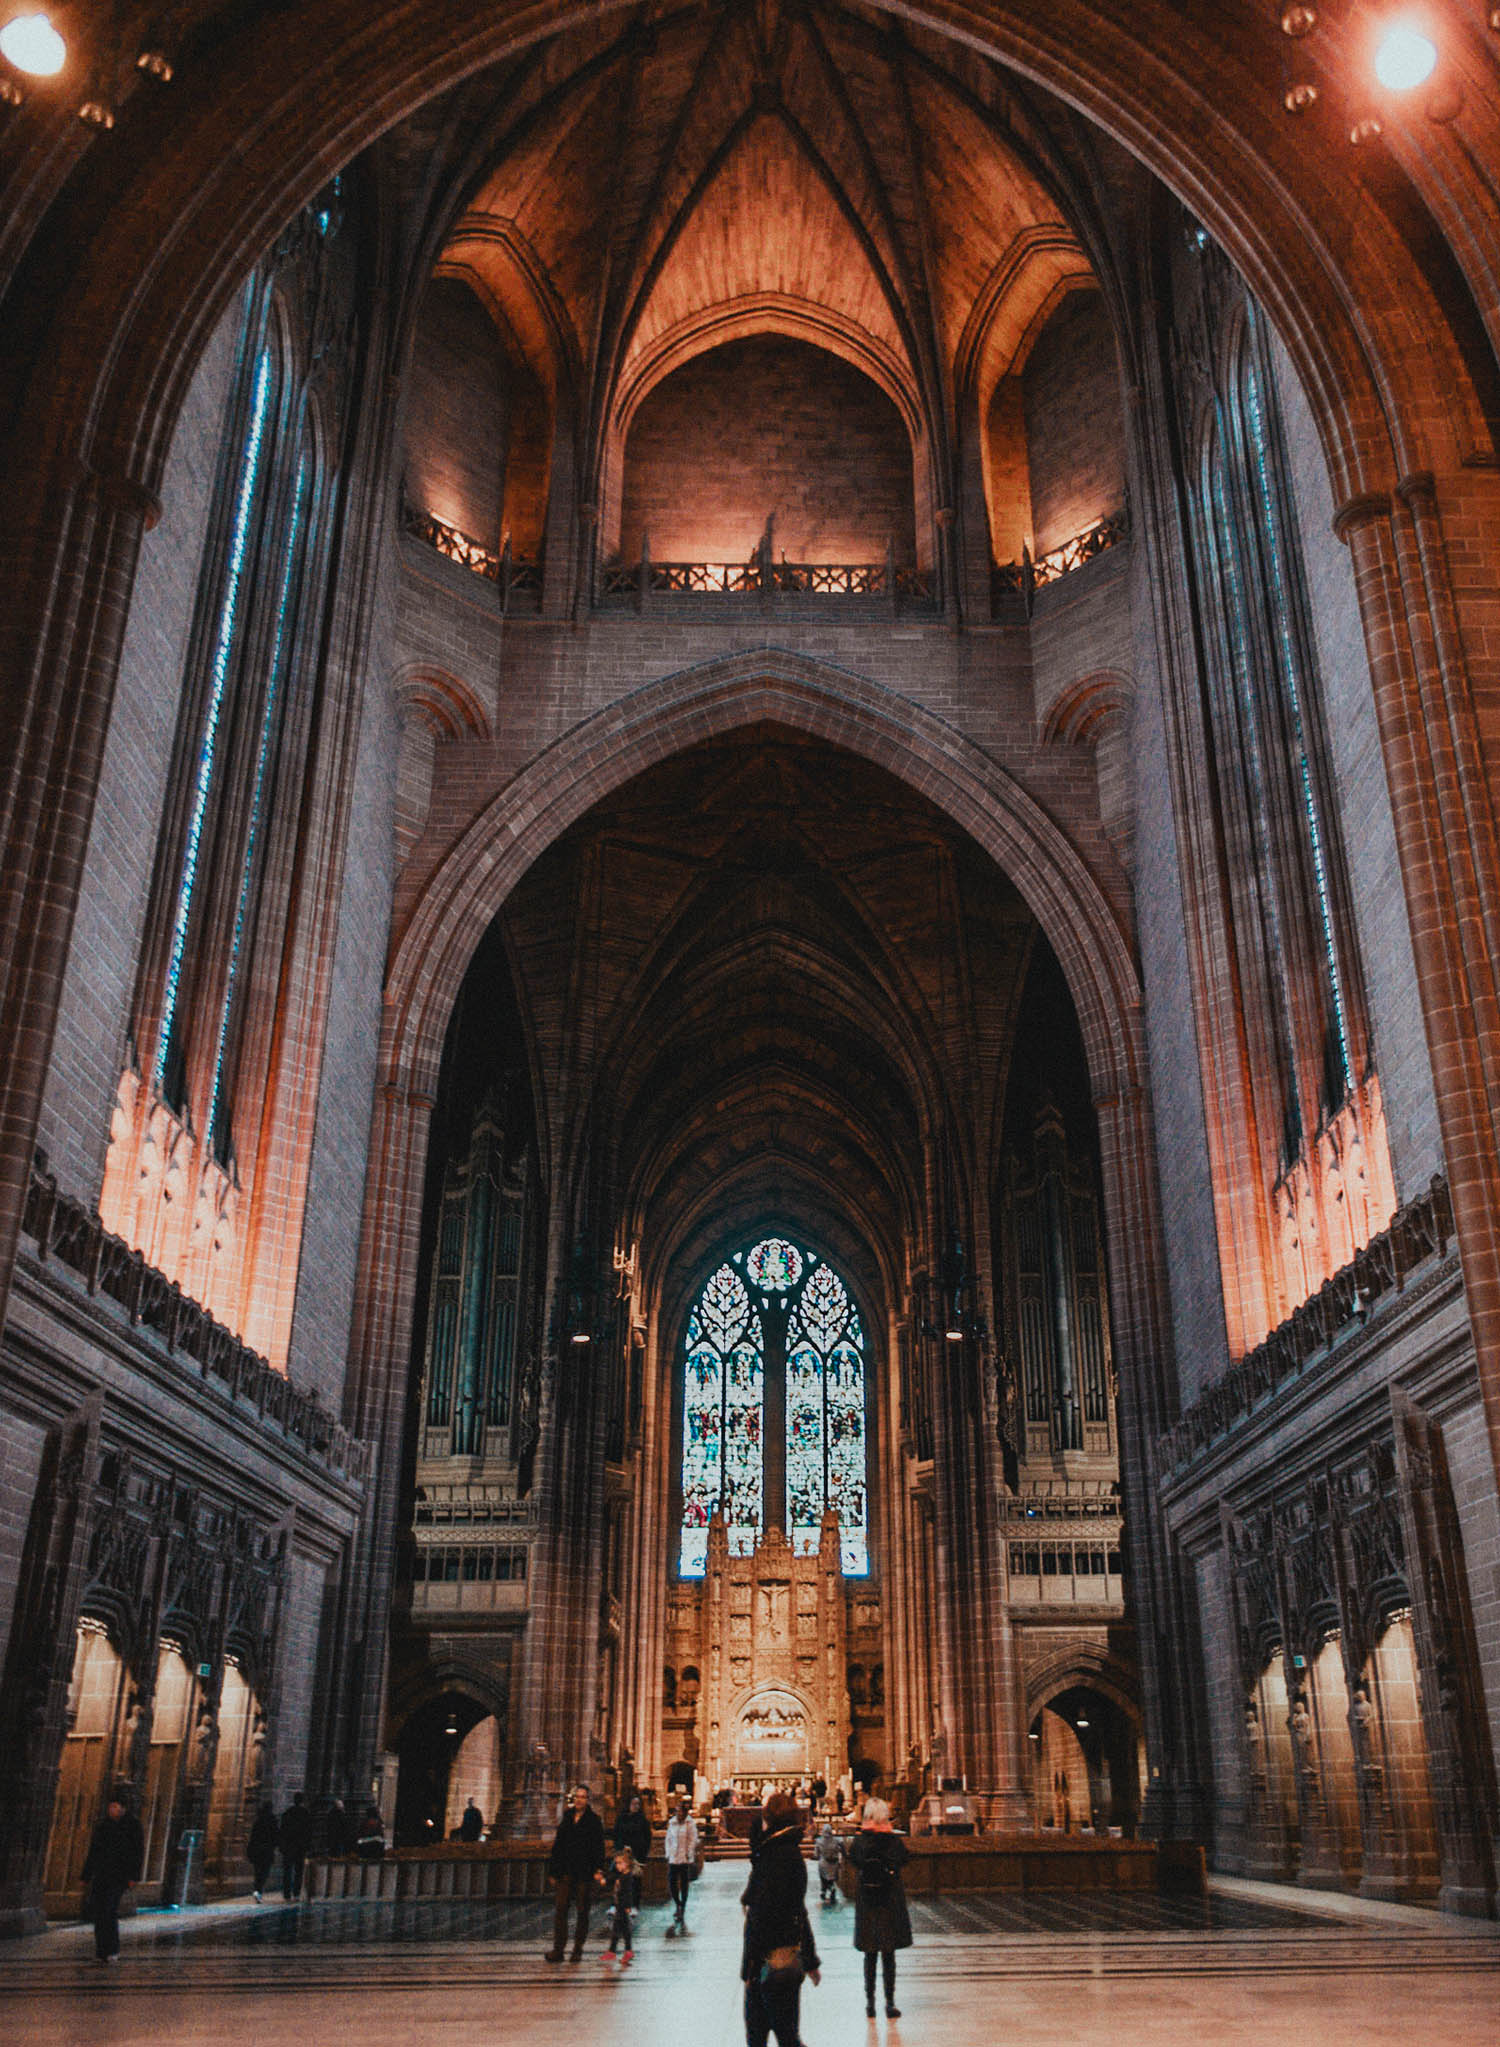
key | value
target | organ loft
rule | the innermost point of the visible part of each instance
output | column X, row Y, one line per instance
column 750, row 926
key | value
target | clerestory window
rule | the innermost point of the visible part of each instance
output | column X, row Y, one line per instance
column 258, row 617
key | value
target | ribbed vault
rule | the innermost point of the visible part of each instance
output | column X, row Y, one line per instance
column 766, row 979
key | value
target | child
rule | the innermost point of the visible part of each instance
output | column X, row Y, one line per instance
column 627, row 1895
column 830, row 1855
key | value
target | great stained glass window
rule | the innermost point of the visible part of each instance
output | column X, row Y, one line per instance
column 746, row 1303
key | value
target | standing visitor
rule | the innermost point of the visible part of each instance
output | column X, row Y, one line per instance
column 471, row 1826
column 261, row 1848
column 578, row 1855
column 830, row 1855
column 682, row 1861
column 627, row 1897
column 881, row 1921
column 111, row 1866
column 779, row 1949
column 633, row 1829
column 293, row 1837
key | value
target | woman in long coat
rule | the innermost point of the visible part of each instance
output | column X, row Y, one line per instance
column 881, row 1921
column 779, row 1950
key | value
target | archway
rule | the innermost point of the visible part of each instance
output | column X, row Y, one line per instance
column 448, row 1751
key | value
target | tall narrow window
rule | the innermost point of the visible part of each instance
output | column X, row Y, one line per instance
column 774, row 1304
column 212, row 1137
column 1302, row 1169
column 247, row 505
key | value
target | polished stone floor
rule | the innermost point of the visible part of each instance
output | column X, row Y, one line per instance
column 1250, row 1964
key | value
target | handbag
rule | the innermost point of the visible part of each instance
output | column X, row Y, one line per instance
column 782, row 1965
column 695, row 1868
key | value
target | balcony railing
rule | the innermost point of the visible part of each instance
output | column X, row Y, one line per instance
column 514, row 578
column 1028, row 576
column 1420, row 1231
column 74, row 1236
column 762, row 576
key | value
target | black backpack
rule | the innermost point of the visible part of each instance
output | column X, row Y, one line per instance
column 875, row 1880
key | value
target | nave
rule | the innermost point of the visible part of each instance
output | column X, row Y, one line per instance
column 1252, row 1963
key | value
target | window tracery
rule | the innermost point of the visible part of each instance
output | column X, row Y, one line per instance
column 774, row 1294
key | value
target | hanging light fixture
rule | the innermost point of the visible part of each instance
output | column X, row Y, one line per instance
column 33, row 45
column 1404, row 57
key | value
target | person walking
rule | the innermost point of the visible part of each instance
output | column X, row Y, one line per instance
column 881, row 1921
column 111, row 1866
column 261, row 1848
column 578, row 1855
column 293, row 1837
column 830, row 1855
column 633, row 1829
column 682, row 1861
column 779, row 1950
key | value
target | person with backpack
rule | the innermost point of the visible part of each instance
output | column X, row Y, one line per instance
column 881, row 1921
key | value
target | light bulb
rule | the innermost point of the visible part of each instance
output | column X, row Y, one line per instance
column 32, row 44
column 1405, row 59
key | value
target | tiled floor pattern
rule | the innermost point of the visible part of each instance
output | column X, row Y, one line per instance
column 1248, row 1967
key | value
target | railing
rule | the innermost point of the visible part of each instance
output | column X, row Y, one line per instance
column 1418, row 1232
column 763, row 576
column 514, row 577
column 1028, row 576
column 74, row 1236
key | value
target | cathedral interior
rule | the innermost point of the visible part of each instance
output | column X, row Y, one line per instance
column 750, row 925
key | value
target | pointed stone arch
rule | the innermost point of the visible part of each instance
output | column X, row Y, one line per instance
column 766, row 687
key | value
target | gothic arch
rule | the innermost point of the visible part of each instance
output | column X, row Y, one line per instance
column 781, row 688
column 1080, row 1664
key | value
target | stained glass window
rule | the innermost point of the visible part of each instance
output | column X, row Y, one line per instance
column 789, row 1290
column 721, row 1412
column 270, row 731
column 825, row 1434
column 246, row 499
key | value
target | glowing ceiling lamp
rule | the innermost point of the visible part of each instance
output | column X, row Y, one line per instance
column 1404, row 58
column 33, row 45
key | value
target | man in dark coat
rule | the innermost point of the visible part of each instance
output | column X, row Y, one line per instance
column 578, row 1855
column 881, row 1921
column 261, row 1847
column 471, row 1826
column 112, row 1865
column 294, row 1833
column 778, row 1950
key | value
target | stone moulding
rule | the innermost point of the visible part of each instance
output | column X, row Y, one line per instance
column 1420, row 1231
column 69, row 1234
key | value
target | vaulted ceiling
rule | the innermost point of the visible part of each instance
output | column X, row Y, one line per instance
column 766, row 979
column 634, row 191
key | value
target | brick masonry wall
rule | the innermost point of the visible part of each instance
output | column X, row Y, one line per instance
column 1074, row 443
column 92, row 1033
column 760, row 428
column 301, row 1629
column 1369, row 838
column 1081, row 627
column 456, row 424
column 1188, row 1229
column 1471, row 1469
column 336, row 1179
column 21, row 1446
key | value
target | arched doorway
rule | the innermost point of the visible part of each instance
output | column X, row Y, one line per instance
column 90, row 1761
column 449, row 1749
column 1088, row 1761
